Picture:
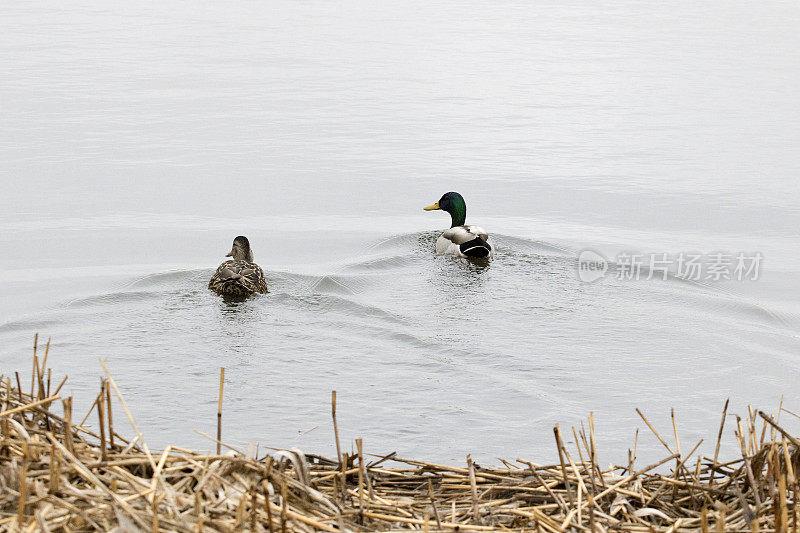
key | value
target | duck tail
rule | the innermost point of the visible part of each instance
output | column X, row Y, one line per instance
column 477, row 247
column 231, row 287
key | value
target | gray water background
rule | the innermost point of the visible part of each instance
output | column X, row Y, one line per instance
column 137, row 139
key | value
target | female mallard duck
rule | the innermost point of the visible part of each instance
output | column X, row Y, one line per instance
column 460, row 240
column 238, row 277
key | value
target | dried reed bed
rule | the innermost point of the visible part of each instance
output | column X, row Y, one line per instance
column 59, row 475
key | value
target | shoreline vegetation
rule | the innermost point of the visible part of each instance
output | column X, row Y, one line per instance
column 59, row 472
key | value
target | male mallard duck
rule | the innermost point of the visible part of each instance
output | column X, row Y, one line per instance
column 460, row 240
column 240, row 276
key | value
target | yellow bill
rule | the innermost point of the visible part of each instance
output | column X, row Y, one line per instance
column 432, row 207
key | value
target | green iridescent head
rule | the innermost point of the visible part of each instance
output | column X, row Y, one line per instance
column 453, row 203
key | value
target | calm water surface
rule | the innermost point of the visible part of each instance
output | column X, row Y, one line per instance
column 139, row 138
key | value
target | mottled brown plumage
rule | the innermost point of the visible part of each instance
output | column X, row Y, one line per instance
column 239, row 277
